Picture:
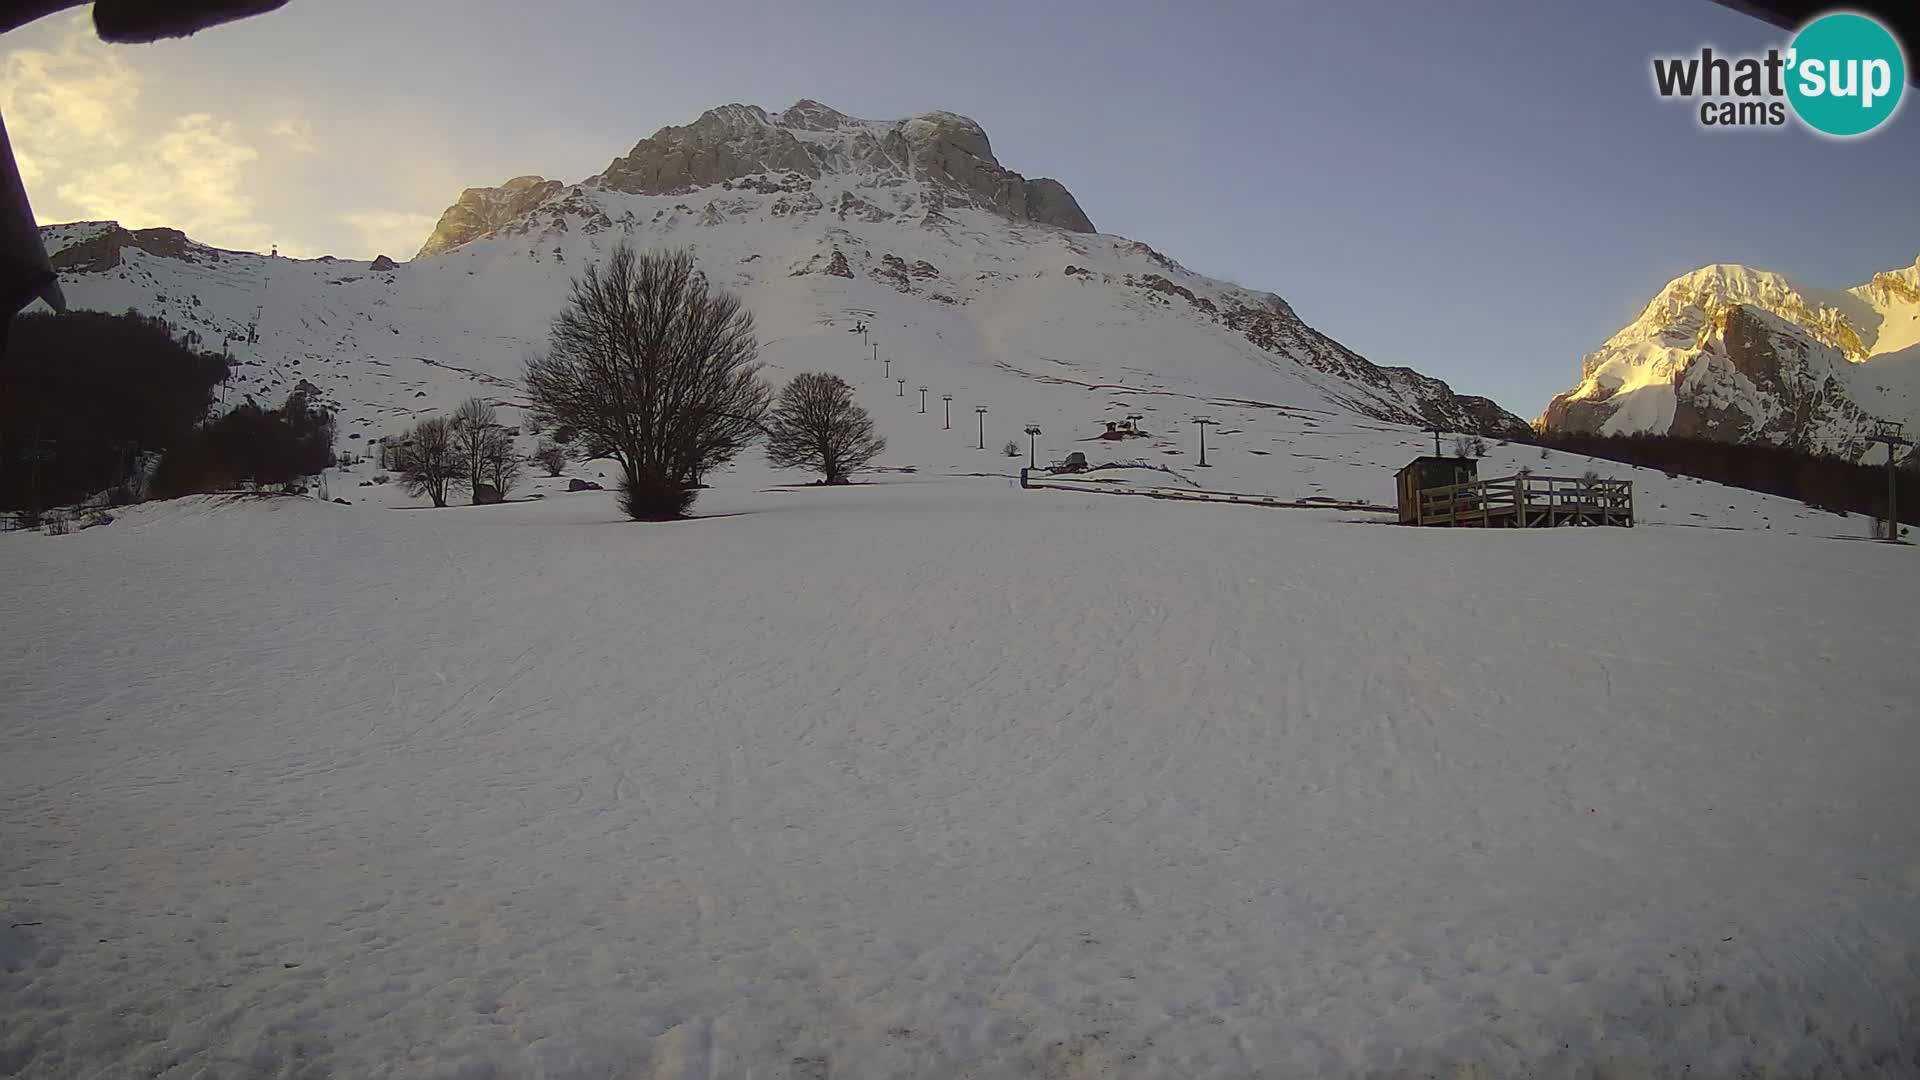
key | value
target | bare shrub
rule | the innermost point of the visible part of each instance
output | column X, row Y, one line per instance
column 428, row 460
column 1469, row 446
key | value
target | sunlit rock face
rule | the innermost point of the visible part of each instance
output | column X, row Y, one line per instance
column 1743, row 355
column 482, row 210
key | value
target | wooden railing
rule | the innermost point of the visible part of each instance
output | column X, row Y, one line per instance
column 1529, row 502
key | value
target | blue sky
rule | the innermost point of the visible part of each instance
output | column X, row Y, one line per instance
column 1483, row 190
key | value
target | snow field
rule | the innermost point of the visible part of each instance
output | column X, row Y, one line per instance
column 937, row 777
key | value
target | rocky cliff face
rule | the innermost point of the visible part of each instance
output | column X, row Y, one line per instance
column 946, row 155
column 481, row 211
column 943, row 149
column 1737, row 354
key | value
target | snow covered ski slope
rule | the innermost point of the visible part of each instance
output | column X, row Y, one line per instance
column 1034, row 346
column 939, row 778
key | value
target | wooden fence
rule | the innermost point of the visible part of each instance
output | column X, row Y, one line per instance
column 1528, row 502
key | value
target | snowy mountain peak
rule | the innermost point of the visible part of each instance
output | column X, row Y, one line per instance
column 1707, row 292
column 810, row 115
column 1741, row 354
column 942, row 159
column 1891, row 288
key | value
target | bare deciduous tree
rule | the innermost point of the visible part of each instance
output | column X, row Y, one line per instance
column 817, row 425
column 655, row 369
column 499, row 465
column 551, row 456
column 427, row 460
column 474, row 423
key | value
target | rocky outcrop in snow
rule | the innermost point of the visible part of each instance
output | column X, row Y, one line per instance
column 745, row 148
column 811, row 140
column 725, row 144
column 480, row 211
column 100, row 249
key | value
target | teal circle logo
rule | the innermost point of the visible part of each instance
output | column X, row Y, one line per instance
column 1845, row 74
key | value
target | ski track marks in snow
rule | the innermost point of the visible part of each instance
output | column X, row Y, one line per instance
column 938, row 778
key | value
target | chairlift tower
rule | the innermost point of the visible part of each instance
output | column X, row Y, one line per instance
column 1893, row 435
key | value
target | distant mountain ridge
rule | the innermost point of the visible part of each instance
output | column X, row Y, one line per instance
column 1737, row 354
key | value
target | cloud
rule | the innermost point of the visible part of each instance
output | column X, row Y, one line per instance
column 295, row 135
column 187, row 178
column 84, row 93
column 393, row 233
column 86, row 152
column 64, row 105
column 163, row 136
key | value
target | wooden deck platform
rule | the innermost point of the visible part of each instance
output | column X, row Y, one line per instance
column 1527, row 502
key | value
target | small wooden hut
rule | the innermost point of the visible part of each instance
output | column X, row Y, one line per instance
column 1429, row 472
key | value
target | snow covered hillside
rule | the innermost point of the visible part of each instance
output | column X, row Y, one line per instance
column 973, row 280
column 1737, row 354
column 1034, row 344
column 939, row 778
